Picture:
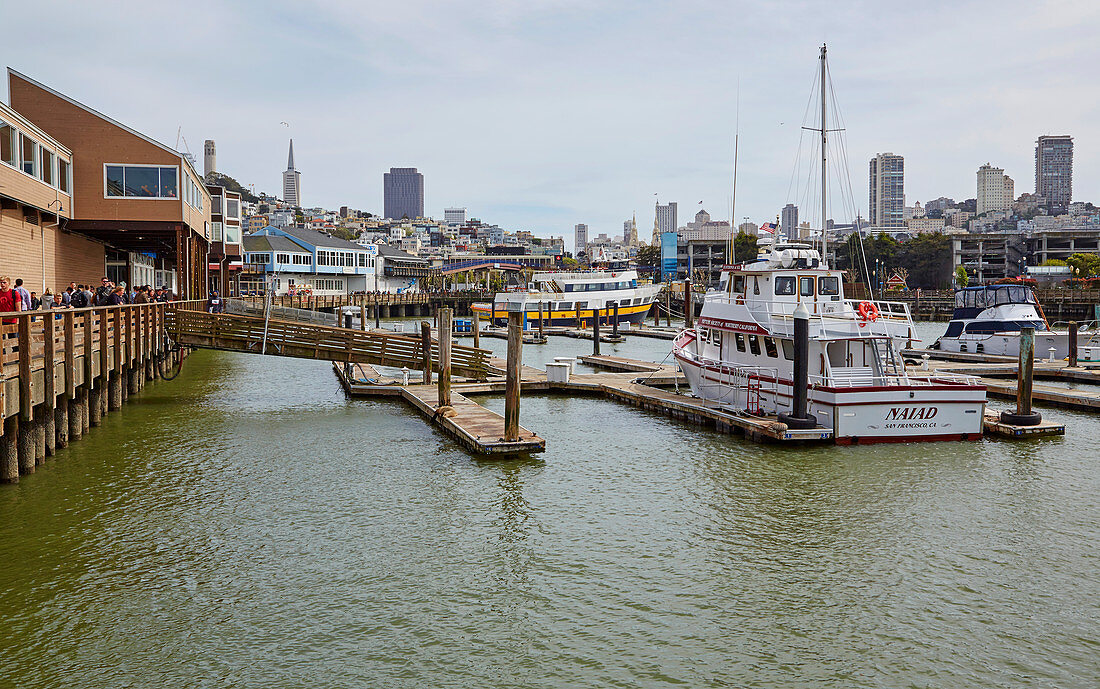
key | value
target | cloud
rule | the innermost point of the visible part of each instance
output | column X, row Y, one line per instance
column 539, row 115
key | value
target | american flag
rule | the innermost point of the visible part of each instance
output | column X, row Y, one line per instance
column 768, row 227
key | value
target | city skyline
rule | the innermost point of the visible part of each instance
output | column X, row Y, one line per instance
column 553, row 149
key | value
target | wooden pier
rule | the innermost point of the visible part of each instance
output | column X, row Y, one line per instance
column 61, row 371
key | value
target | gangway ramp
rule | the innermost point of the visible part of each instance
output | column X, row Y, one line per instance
column 252, row 334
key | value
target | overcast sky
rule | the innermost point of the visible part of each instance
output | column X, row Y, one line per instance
column 541, row 114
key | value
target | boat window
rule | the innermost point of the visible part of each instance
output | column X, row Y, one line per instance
column 754, row 344
column 769, row 347
column 828, row 285
column 784, row 284
column 582, row 305
column 564, row 305
column 788, row 349
column 739, row 284
column 739, row 339
column 806, row 287
column 954, row 329
column 756, row 285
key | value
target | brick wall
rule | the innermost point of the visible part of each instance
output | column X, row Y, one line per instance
column 69, row 257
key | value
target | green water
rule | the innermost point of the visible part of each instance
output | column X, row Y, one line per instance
column 248, row 526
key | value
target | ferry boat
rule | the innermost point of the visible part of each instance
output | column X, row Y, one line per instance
column 988, row 319
column 565, row 296
column 740, row 355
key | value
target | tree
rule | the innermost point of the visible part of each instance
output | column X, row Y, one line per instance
column 1084, row 265
column 1054, row 262
column 961, row 278
column 927, row 258
column 744, row 247
column 569, row 262
column 649, row 256
column 223, row 180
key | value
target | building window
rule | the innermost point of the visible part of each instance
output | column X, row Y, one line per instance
column 141, row 181
column 45, row 165
column 232, row 208
column 63, row 179
column 28, row 146
column 232, row 234
column 259, row 258
column 216, row 231
column 215, row 204
column 282, row 258
column 7, row 143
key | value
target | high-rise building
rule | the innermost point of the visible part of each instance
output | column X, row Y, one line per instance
column 403, row 192
column 788, row 221
column 580, row 239
column 209, row 160
column 292, row 181
column 887, row 190
column 454, row 215
column 666, row 217
column 1054, row 170
column 991, row 189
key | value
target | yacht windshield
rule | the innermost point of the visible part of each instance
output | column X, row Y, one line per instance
column 994, row 296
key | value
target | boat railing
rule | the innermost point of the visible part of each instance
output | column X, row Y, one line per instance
column 866, row 377
column 839, row 319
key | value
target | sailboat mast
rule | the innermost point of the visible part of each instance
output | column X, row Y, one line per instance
column 824, row 171
column 733, row 203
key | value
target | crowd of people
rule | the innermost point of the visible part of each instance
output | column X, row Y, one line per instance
column 15, row 297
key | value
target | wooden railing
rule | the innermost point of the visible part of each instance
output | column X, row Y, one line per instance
column 239, row 333
column 332, row 301
column 84, row 343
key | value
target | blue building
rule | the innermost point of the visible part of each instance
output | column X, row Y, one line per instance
column 668, row 256
column 297, row 258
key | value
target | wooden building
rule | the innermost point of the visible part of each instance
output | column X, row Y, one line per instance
column 36, row 206
column 142, row 200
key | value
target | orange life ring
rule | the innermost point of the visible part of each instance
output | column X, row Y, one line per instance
column 867, row 311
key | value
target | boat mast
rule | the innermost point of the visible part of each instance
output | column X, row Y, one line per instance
column 823, row 168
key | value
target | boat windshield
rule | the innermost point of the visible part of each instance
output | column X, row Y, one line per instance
column 999, row 295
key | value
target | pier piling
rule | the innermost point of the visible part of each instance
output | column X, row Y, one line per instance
column 477, row 330
column 1072, row 344
column 445, row 325
column 615, row 323
column 1024, row 416
column 27, row 434
column 542, row 330
column 40, row 434
column 512, row 381
column 426, row 348
column 61, row 424
column 798, row 418
column 363, row 315
column 595, row 332
column 9, row 451
column 689, row 308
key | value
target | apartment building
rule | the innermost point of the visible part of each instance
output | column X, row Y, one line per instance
column 225, row 260
column 142, row 201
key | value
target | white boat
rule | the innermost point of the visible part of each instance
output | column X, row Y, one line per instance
column 741, row 354
column 988, row 319
column 570, row 298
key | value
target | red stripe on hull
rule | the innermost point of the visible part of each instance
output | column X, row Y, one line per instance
column 872, row 440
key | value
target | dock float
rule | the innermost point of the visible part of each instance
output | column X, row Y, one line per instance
column 994, row 426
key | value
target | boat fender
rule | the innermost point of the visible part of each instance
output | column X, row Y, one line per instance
column 867, row 311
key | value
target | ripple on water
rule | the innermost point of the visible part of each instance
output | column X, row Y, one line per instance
column 249, row 526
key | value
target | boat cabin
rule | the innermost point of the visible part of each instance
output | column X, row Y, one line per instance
column 785, row 276
column 994, row 309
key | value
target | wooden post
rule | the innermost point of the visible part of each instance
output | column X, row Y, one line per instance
column 40, row 433
column 656, row 313
column 426, row 350
column 377, row 314
column 9, row 451
column 1073, row 343
column 595, row 332
column 615, row 324
column 26, row 395
column 668, row 308
column 477, row 329
column 61, row 424
column 445, row 325
column 689, row 306
column 1024, row 416
column 511, row 382
column 363, row 313
column 542, row 330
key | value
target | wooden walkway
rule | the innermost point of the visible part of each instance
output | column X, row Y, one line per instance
column 251, row 334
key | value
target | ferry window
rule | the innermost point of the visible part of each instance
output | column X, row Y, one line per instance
column 754, row 344
column 828, row 286
column 739, row 339
column 769, row 347
column 806, row 287
column 788, row 349
column 564, row 305
column 739, row 284
column 582, row 305
column 7, row 143
column 784, row 284
column 569, row 288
